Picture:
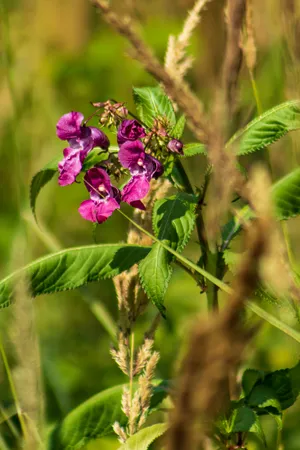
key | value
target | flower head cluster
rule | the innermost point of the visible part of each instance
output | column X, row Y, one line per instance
column 134, row 156
column 81, row 140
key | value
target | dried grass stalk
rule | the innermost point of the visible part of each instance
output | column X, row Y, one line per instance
column 177, row 63
column 180, row 93
column 235, row 14
column 215, row 349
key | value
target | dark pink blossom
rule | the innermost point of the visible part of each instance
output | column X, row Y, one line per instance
column 130, row 130
column 81, row 141
column 136, row 189
column 104, row 198
column 132, row 156
column 143, row 168
column 175, row 146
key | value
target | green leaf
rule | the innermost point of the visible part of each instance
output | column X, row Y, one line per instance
column 286, row 199
column 250, row 378
column 178, row 129
column 93, row 419
column 173, row 223
column 286, row 196
column 273, row 391
column 243, row 420
column 145, row 437
column 263, row 396
column 151, row 103
column 72, row 268
column 268, row 128
column 94, row 157
column 193, row 149
column 41, row 178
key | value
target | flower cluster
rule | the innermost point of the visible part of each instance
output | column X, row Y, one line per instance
column 133, row 156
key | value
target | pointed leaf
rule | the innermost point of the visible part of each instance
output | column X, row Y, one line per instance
column 94, row 419
column 173, row 223
column 72, row 268
column 268, row 128
column 41, row 178
column 151, row 103
column 193, row 149
column 145, row 437
column 178, row 129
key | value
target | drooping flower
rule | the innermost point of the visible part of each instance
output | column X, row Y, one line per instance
column 130, row 130
column 143, row 168
column 175, row 146
column 81, row 141
column 104, row 197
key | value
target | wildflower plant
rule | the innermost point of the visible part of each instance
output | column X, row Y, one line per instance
column 146, row 170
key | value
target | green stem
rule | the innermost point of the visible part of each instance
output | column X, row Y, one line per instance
column 223, row 286
column 13, row 389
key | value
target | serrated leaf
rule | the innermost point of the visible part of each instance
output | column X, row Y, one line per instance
column 151, row 103
column 173, row 223
column 193, row 149
column 41, row 178
column 178, row 129
column 264, row 397
column 268, row 128
column 72, row 268
column 145, row 437
column 93, row 419
column 155, row 273
column 243, row 420
column 286, row 196
column 250, row 378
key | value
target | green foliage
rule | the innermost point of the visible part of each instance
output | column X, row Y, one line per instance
column 286, row 199
column 173, row 223
column 194, row 149
column 178, row 129
column 286, row 196
column 72, row 268
column 41, row 178
column 95, row 417
column 268, row 128
column 145, row 437
column 273, row 391
column 151, row 103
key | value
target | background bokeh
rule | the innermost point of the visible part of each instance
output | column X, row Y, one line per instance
column 58, row 56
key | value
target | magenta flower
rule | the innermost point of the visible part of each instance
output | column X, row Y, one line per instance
column 130, row 130
column 132, row 156
column 142, row 167
column 81, row 140
column 136, row 189
column 105, row 198
column 175, row 146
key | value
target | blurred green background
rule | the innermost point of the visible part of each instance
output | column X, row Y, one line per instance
column 58, row 56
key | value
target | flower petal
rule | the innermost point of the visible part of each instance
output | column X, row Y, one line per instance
column 136, row 189
column 96, row 177
column 130, row 130
column 105, row 209
column 130, row 153
column 88, row 210
column 69, row 167
column 69, row 125
column 154, row 168
column 100, row 139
